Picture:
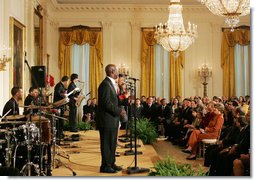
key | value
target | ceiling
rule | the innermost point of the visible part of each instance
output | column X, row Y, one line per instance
column 154, row 2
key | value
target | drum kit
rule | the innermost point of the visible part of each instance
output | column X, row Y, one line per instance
column 25, row 147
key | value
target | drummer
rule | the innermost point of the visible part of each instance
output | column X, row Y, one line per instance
column 31, row 99
column 13, row 103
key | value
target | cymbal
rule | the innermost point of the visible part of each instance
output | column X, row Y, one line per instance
column 37, row 107
column 3, row 130
column 12, row 122
column 14, row 117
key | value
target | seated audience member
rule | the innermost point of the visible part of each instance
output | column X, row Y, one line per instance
column 224, row 161
column 177, row 130
column 210, row 132
column 195, row 125
column 229, row 140
column 87, row 109
column 163, row 113
column 149, row 111
column 136, row 109
column 241, row 166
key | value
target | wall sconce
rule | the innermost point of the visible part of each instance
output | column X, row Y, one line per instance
column 123, row 69
column 4, row 57
column 205, row 73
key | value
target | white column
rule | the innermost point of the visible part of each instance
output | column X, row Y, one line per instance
column 107, row 43
column 135, row 68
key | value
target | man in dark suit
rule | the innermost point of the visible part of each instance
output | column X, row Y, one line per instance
column 164, row 114
column 60, row 91
column 72, row 107
column 108, row 117
column 150, row 111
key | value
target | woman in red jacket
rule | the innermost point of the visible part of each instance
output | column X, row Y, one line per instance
column 210, row 132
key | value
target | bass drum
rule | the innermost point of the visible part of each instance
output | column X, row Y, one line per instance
column 2, row 152
column 20, row 158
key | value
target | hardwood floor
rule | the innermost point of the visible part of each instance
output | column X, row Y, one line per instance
column 84, row 156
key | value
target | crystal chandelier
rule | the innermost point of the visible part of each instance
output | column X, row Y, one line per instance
column 172, row 35
column 230, row 9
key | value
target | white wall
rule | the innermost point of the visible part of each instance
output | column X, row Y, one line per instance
column 121, row 38
column 14, row 8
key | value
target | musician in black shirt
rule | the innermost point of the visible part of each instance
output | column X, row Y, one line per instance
column 31, row 99
column 60, row 91
column 72, row 107
column 13, row 103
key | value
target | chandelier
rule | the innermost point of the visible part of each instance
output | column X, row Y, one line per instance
column 230, row 9
column 172, row 35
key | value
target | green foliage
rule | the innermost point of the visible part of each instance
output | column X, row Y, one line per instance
column 84, row 126
column 168, row 167
column 81, row 126
column 145, row 131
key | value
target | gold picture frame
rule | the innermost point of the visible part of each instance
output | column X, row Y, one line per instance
column 17, row 44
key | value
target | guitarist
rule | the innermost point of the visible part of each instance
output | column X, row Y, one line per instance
column 60, row 91
column 72, row 107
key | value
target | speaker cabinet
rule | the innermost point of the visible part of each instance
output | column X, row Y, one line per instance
column 39, row 74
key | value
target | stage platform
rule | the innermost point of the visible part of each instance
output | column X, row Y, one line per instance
column 85, row 159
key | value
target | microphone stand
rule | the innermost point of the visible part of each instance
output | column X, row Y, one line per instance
column 136, row 169
column 39, row 111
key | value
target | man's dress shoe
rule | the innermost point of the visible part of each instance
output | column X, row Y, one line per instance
column 117, row 168
column 107, row 170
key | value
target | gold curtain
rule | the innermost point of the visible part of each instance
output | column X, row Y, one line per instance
column 148, row 62
column 229, row 40
column 80, row 36
column 148, row 67
column 175, row 74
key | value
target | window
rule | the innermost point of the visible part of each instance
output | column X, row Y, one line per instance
column 242, row 73
column 162, row 72
column 80, row 58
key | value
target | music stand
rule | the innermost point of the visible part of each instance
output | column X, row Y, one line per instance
column 136, row 169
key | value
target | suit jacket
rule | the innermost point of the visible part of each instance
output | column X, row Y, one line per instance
column 72, row 101
column 166, row 113
column 11, row 104
column 108, row 110
column 59, row 92
column 150, row 112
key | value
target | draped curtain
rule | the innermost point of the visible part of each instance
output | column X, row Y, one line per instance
column 175, row 74
column 81, row 36
column 148, row 67
column 240, row 36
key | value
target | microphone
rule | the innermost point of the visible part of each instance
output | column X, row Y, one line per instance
column 26, row 57
column 134, row 79
column 81, row 82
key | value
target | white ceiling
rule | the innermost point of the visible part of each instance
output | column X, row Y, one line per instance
column 84, row 2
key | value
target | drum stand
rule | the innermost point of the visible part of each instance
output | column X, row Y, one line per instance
column 27, row 167
column 54, row 143
column 8, row 150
